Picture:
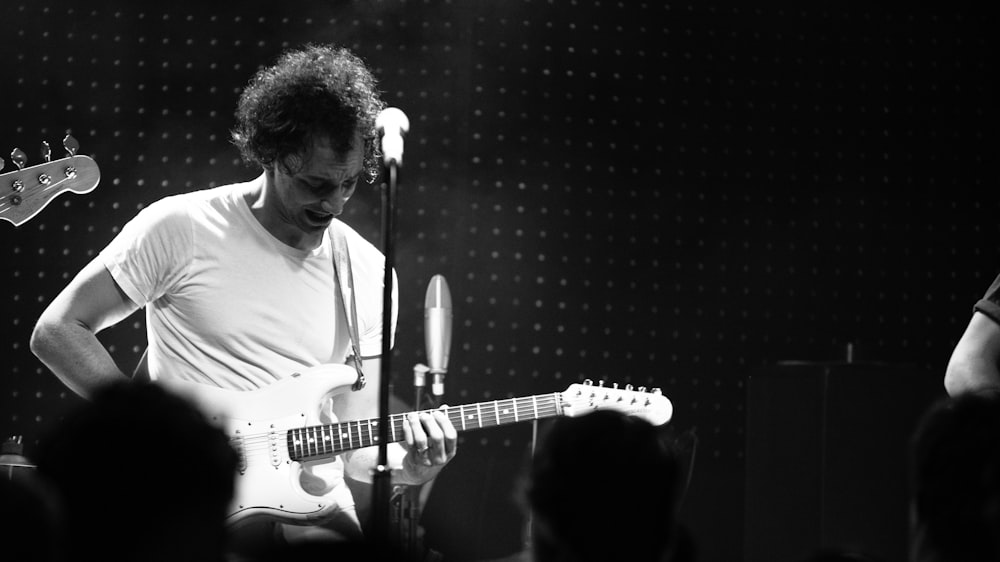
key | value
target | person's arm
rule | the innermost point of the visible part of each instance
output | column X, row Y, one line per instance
column 431, row 432
column 975, row 362
column 65, row 336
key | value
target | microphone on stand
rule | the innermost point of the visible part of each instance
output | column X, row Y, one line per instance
column 437, row 331
column 393, row 124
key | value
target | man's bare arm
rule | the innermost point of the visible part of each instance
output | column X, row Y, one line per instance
column 975, row 362
column 65, row 336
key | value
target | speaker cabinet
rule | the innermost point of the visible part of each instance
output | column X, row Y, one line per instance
column 826, row 458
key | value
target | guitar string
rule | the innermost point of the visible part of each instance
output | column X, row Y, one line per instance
column 5, row 207
column 263, row 440
column 484, row 411
column 360, row 428
column 529, row 407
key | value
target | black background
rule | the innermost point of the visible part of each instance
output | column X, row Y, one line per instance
column 670, row 195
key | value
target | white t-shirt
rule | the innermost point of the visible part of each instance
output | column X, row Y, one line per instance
column 227, row 304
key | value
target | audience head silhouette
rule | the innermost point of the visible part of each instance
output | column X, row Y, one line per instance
column 141, row 475
column 955, row 480
column 603, row 486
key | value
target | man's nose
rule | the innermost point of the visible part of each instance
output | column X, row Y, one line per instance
column 328, row 206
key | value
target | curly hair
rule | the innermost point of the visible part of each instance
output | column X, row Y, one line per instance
column 318, row 90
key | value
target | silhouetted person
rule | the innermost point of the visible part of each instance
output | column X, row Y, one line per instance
column 30, row 525
column 605, row 486
column 955, row 481
column 141, row 475
column 839, row 555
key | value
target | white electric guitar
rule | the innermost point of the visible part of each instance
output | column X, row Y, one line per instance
column 274, row 433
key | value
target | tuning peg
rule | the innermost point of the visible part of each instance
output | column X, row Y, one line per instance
column 71, row 145
column 46, row 152
column 2, row 163
column 19, row 158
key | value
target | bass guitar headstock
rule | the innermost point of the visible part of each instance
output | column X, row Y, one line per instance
column 24, row 192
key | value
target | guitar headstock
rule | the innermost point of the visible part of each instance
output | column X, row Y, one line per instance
column 650, row 405
column 24, row 192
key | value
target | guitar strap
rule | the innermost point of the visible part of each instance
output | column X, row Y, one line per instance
column 345, row 279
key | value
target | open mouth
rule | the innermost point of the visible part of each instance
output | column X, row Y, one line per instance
column 318, row 217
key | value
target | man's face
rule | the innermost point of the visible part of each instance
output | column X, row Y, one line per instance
column 311, row 197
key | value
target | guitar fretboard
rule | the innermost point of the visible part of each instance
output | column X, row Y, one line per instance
column 318, row 441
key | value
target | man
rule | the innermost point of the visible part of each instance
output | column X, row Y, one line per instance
column 239, row 282
column 974, row 366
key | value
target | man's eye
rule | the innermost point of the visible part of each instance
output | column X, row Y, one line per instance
column 314, row 187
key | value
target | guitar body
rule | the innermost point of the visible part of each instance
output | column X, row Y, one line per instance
column 257, row 422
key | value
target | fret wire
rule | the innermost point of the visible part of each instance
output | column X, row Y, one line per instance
column 501, row 416
column 402, row 420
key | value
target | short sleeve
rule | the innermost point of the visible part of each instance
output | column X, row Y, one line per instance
column 990, row 303
column 151, row 252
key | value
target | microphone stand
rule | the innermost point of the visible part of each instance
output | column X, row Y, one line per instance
column 381, row 479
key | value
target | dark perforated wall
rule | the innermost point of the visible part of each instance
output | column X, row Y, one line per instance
column 661, row 194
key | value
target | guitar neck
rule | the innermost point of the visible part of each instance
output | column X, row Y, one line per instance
column 319, row 441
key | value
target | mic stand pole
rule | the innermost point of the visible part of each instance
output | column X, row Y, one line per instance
column 381, row 479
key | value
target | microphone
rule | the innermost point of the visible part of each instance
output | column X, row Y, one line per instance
column 393, row 124
column 437, row 331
